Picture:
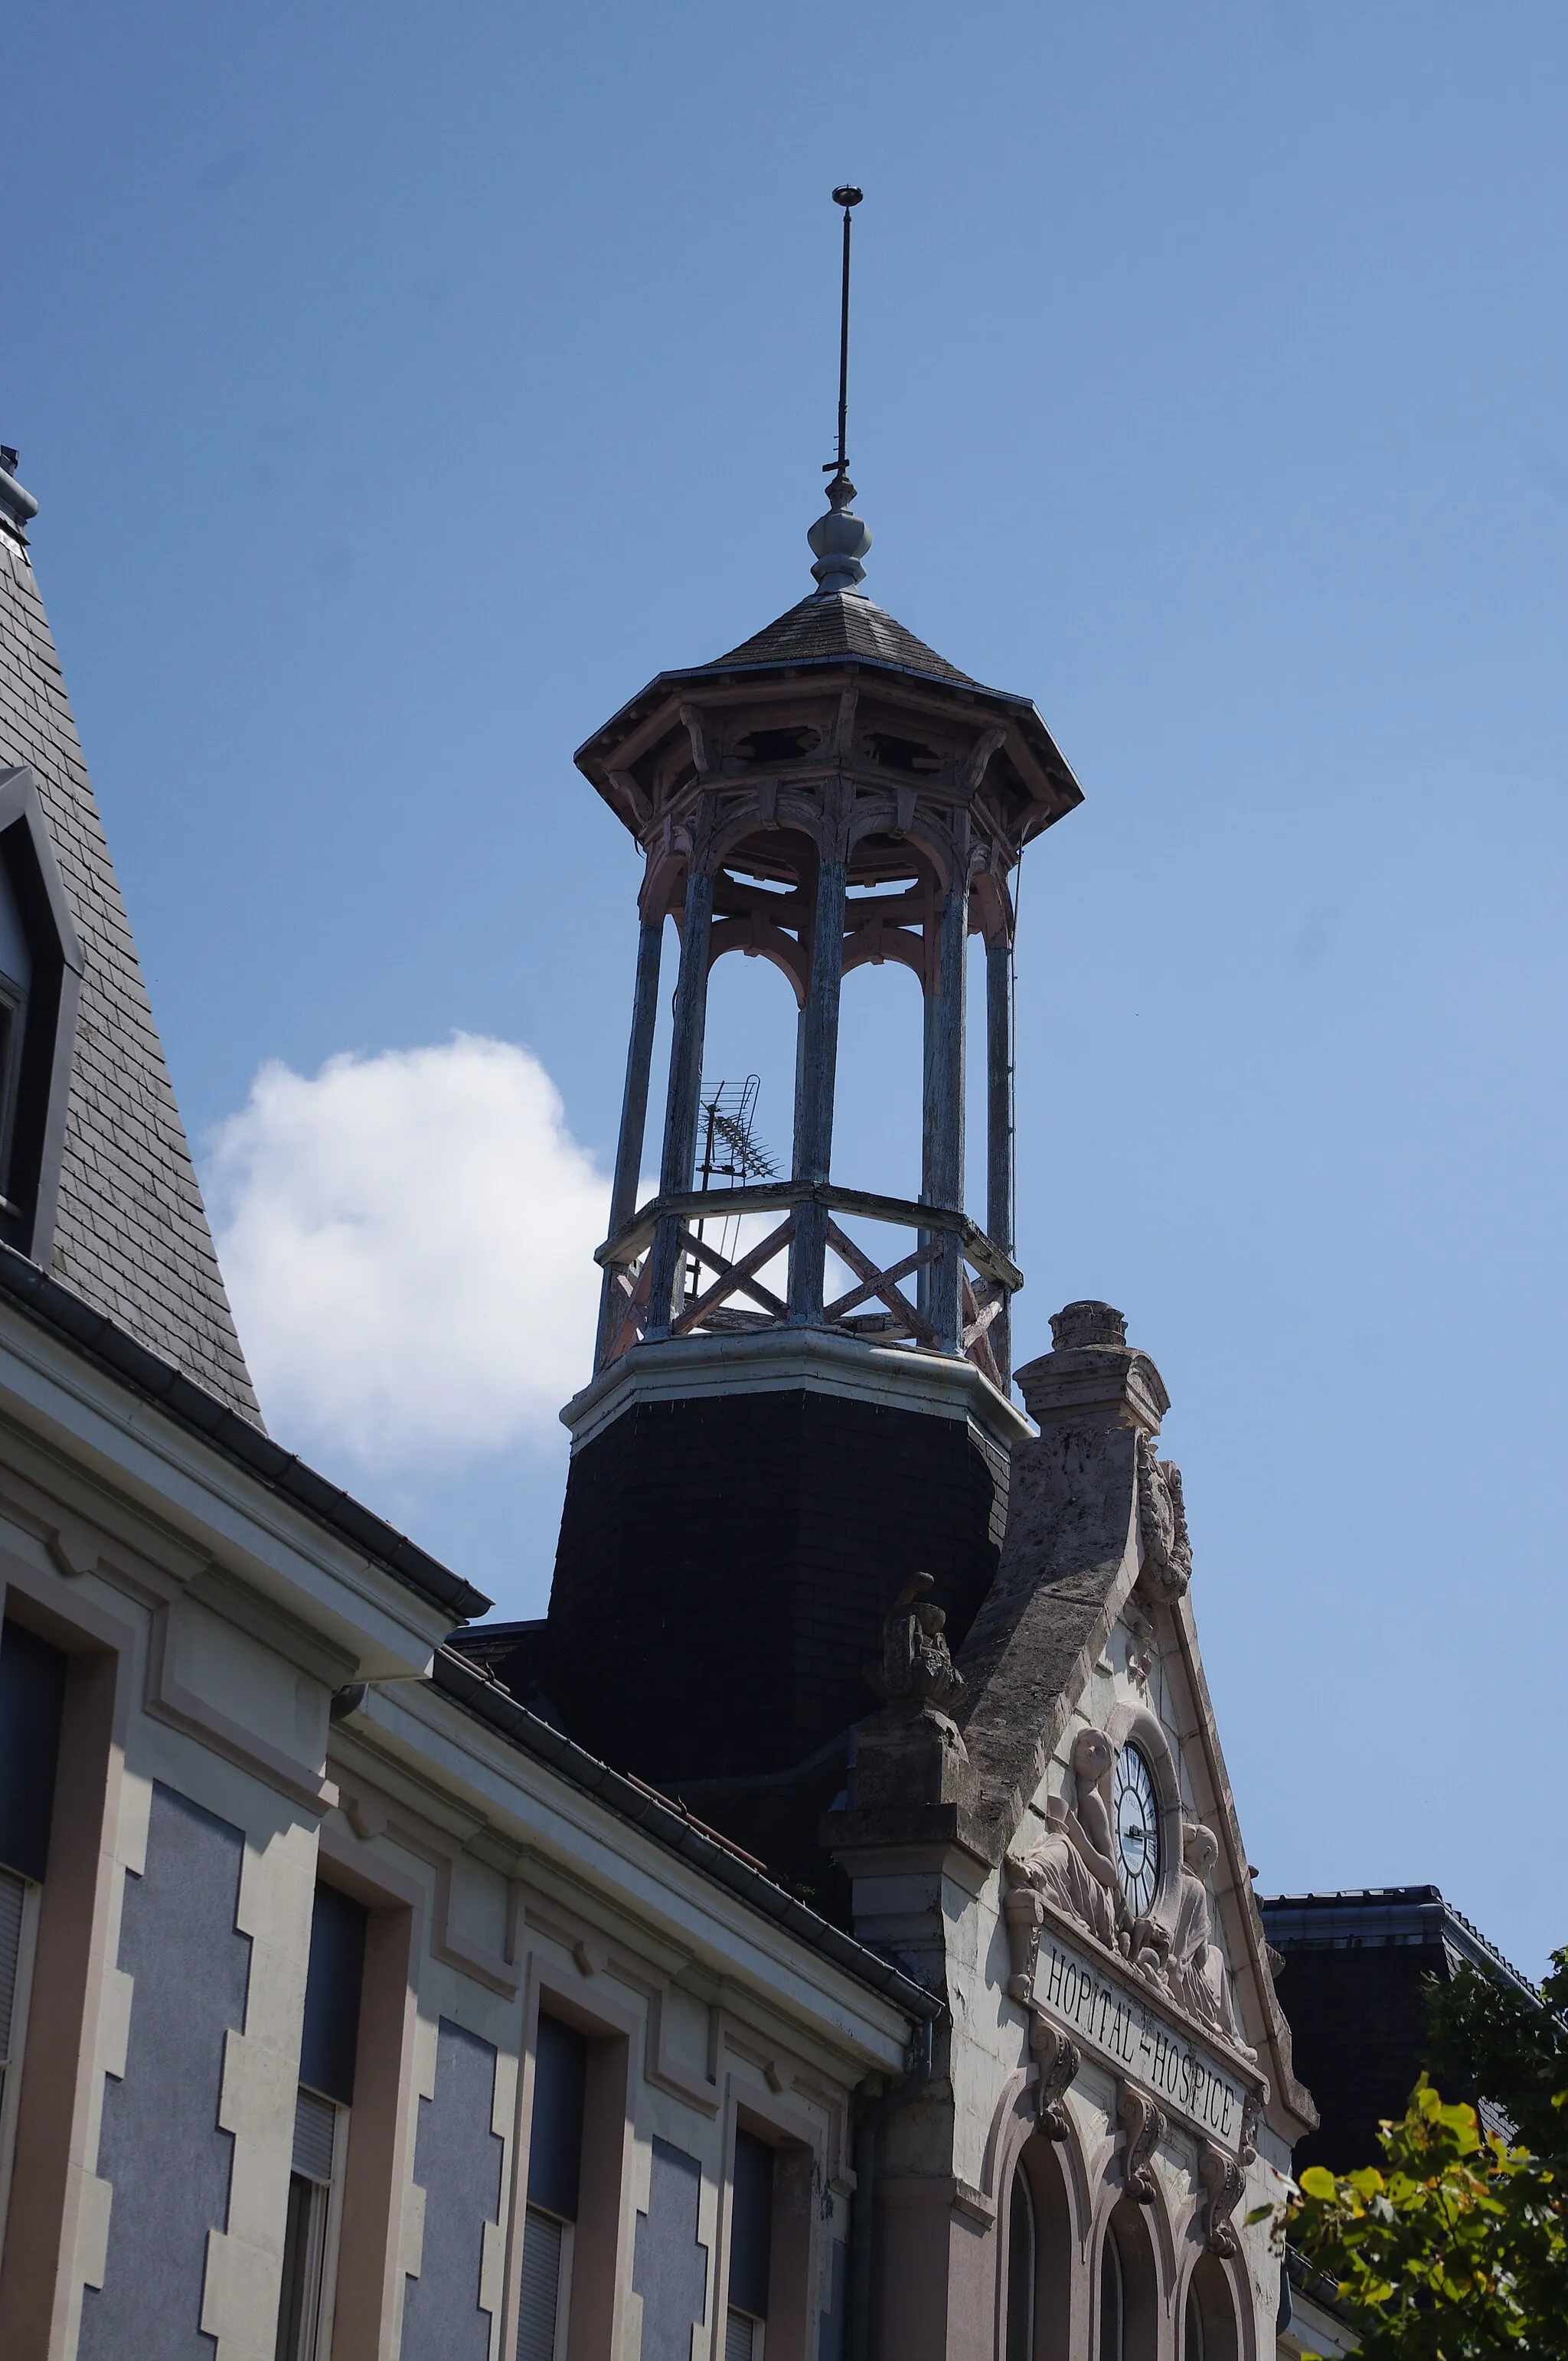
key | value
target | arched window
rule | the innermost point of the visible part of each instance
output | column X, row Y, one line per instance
column 1209, row 2315
column 1129, row 2287
column 1021, row 2270
column 1112, row 2301
column 1038, row 2260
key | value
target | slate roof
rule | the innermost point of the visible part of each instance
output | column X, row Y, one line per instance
column 822, row 629
column 131, row 1233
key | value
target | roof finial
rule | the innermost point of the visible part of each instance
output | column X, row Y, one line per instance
column 839, row 539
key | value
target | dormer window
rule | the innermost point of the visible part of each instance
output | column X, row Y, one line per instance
column 15, row 978
column 40, row 973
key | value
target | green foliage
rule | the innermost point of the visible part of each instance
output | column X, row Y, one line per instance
column 1457, row 2250
column 1485, row 2035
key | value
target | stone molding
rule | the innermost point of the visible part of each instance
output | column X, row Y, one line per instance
column 786, row 1360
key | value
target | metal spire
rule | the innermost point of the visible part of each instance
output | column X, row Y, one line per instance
column 848, row 198
column 839, row 539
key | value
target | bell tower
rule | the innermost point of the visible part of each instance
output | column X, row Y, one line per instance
column 773, row 1442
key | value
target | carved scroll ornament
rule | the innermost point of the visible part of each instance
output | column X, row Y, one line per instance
column 1057, row 2061
column 1144, row 2127
column 1223, row 2179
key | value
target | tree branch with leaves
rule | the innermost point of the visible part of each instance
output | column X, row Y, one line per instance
column 1457, row 2248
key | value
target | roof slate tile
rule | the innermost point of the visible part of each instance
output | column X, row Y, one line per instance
column 131, row 1233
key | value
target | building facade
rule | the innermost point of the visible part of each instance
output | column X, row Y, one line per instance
column 1358, row 1967
column 840, row 1945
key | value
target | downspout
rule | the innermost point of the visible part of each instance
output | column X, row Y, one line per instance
column 870, row 2124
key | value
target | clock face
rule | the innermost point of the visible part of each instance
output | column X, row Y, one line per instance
column 1137, row 1830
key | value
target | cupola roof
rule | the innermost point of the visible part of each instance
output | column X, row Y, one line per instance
column 831, row 625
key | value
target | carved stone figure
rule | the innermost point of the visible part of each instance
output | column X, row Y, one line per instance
column 1246, row 2146
column 1195, row 1971
column 1057, row 2061
column 917, row 1666
column 1072, row 1867
column 912, row 1752
column 1144, row 2127
column 1167, row 1567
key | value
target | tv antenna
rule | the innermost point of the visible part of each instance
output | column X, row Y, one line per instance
column 731, row 1155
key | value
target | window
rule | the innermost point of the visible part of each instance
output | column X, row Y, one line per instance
column 32, row 1698
column 750, row 2248
column 1209, row 2314
column 40, row 973
column 17, row 1928
column 1113, row 2300
column 555, row 2182
column 1020, row 2270
column 15, row 977
column 333, row 1983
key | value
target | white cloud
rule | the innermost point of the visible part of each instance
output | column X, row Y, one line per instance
column 408, row 1242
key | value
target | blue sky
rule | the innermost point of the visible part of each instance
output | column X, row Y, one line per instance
column 403, row 387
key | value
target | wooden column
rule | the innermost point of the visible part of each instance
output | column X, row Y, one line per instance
column 817, row 1071
column 942, row 1178
column 685, row 1092
column 1000, row 1217
column 633, row 1113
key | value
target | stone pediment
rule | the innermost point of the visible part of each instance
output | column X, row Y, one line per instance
column 1087, row 1631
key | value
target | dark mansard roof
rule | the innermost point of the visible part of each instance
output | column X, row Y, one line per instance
column 130, row 1235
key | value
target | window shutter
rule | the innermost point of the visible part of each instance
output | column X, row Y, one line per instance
column 541, row 2304
column 13, row 1893
column 315, row 2137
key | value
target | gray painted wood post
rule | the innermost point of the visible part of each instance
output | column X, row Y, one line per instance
column 817, row 1071
column 633, row 1115
column 943, row 1176
column 999, row 1208
column 685, row 1092
column 927, row 1090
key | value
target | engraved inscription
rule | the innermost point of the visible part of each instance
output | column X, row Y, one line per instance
column 1125, row 2029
